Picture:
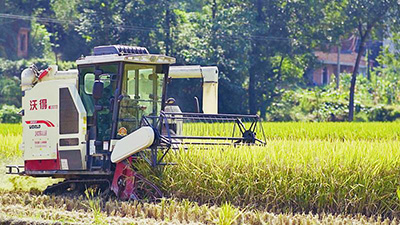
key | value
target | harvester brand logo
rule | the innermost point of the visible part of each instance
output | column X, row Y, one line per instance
column 122, row 131
column 38, row 104
column 35, row 124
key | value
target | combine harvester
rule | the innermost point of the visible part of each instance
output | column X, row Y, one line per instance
column 90, row 125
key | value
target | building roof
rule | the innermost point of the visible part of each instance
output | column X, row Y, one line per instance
column 348, row 59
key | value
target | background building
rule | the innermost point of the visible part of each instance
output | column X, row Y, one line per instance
column 328, row 64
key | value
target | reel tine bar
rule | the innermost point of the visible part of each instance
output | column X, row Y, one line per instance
column 175, row 129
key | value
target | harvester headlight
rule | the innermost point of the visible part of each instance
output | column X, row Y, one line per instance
column 153, row 58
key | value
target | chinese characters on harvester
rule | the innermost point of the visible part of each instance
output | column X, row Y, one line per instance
column 40, row 104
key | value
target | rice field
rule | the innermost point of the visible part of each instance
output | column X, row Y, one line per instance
column 10, row 139
column 305, row 131
column 333, row 131
column 292, row 176
column 311, row 173
column 27, row 208
column 10, row 129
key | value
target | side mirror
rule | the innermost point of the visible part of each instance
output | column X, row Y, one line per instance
column 98, row 87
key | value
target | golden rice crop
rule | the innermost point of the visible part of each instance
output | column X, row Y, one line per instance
column 10, row 129
column 10, row 139
column 333, row 131
column 9, row 146
column 292, row 176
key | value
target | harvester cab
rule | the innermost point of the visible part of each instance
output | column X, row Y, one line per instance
column 90, row 125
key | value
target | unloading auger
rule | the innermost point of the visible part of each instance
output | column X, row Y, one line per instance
column 90, row 126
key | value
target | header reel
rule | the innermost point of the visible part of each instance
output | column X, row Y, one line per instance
column 176, row 130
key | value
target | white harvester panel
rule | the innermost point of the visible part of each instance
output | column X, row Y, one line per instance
column 210, row 83
column 135, row 142
column 210, row 89
column 54, row 125
column 40, row 122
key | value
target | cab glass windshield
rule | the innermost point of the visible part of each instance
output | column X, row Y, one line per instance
column 142, row 94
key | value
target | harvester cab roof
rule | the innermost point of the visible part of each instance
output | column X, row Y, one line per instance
column 91, row 124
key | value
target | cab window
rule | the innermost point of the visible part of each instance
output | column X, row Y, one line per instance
column 89, row 81
column 109, row 78
column 141, row 91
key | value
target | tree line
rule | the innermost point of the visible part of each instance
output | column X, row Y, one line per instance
column 262, row 47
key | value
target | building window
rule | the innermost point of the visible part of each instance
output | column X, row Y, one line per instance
column 325, row 76
column 22, row 42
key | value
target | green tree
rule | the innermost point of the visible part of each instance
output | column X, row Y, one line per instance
column 365, row 16
column 387, row 79
column 282, row 33
column 69, row 43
